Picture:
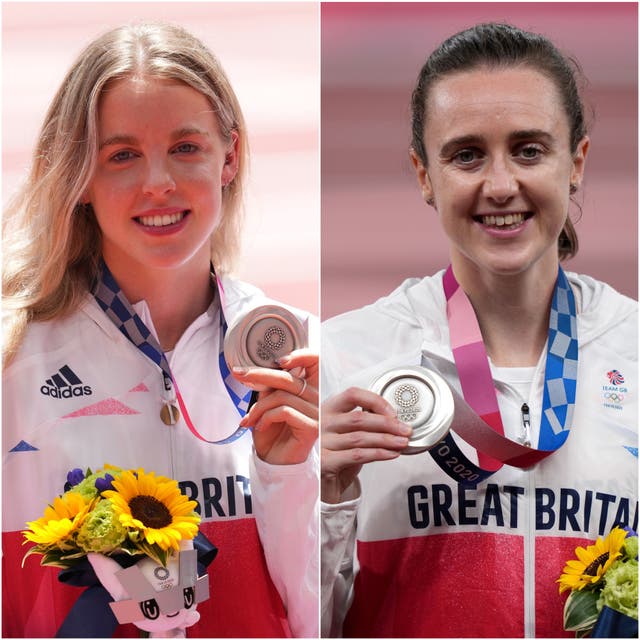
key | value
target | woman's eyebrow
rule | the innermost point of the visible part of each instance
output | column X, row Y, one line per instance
column 189, row 131
column 460, row 141
column 123, row 138
column 528, row 134
column 118, row 138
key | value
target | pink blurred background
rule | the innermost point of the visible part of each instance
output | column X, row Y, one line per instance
column 270, row 52
column 376, row 230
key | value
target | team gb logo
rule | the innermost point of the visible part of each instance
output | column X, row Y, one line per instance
column 615, row 377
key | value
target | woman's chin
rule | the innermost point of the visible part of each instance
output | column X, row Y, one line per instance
column 512, row 263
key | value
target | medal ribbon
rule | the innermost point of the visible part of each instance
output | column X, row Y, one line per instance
column 118, row 309
column 472, row 363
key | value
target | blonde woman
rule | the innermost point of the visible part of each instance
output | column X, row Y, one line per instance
column 133, row 207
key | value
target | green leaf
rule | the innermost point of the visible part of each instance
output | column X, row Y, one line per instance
column 58, row 558
column 580, row 610
column 31, row 551
column 154, row 552
column 131, row 551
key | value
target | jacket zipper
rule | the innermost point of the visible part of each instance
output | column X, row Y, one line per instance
column 526, row 425
column 529, row 534
column 169, row 395
column 530, row 559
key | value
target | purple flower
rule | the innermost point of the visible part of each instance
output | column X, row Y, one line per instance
column 104, row 484
column 75, row 476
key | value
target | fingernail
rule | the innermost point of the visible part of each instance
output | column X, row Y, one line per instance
column 401, row 441
column 405, row 429
column 241, row 371
column 283, row 360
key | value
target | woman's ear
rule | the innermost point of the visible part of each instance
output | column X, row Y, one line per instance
column 423, row 177
column 231, row 160
column 579, row 161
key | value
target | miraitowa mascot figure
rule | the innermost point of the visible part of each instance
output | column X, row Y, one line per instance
column 157, row 599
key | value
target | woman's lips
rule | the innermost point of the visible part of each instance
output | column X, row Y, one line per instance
column 162, row 221
column 161, row 218
column 510, row 220
column 503, row 224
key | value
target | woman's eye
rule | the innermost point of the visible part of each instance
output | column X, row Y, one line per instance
column 122, row 156
column 530, row 152
column 466, row 156
column 185, row 147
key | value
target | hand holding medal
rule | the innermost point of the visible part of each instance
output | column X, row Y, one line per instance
column 351, row 438
column 265, row 350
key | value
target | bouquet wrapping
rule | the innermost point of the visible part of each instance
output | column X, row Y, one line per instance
column 132, row 534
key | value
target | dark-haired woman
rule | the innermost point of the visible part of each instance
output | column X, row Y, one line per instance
column 460, row 541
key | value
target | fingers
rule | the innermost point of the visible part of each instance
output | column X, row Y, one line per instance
column 341, row 414
column 335, row 461
column 354, row 438
column 262, row 378
column 298, row 423
column 358, row 427
column 359, row 441
column 299, row 358
column 362, row 421
column 361, row 429
column 351, row 436
column 277, row 399
column 302, row 359
column 355, row 397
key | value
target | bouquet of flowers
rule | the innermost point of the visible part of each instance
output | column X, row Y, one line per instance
column 603, row 581
column 113, row 511
column 148, row 526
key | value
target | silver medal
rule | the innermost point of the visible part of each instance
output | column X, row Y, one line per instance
column 422, row 400
column 262, row 336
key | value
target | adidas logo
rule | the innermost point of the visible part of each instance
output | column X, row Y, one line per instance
column 65, row 384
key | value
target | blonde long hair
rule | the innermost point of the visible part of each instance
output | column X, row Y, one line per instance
column 51, row 241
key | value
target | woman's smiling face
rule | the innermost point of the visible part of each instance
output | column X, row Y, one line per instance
column 161, row 166
column 499, row 166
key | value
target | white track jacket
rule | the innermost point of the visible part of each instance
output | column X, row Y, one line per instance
column 261, row 517
column 415, row 555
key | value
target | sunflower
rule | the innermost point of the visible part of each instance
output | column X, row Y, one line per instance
column 593, row 561
column 154, row 506
column 60, row 520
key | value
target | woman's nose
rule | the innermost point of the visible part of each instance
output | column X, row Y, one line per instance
column 158, row 179
column 500, row 183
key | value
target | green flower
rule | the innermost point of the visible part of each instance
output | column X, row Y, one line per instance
column 101, row 531
column 87, row 487
column 620, row 591
column 631, row 547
